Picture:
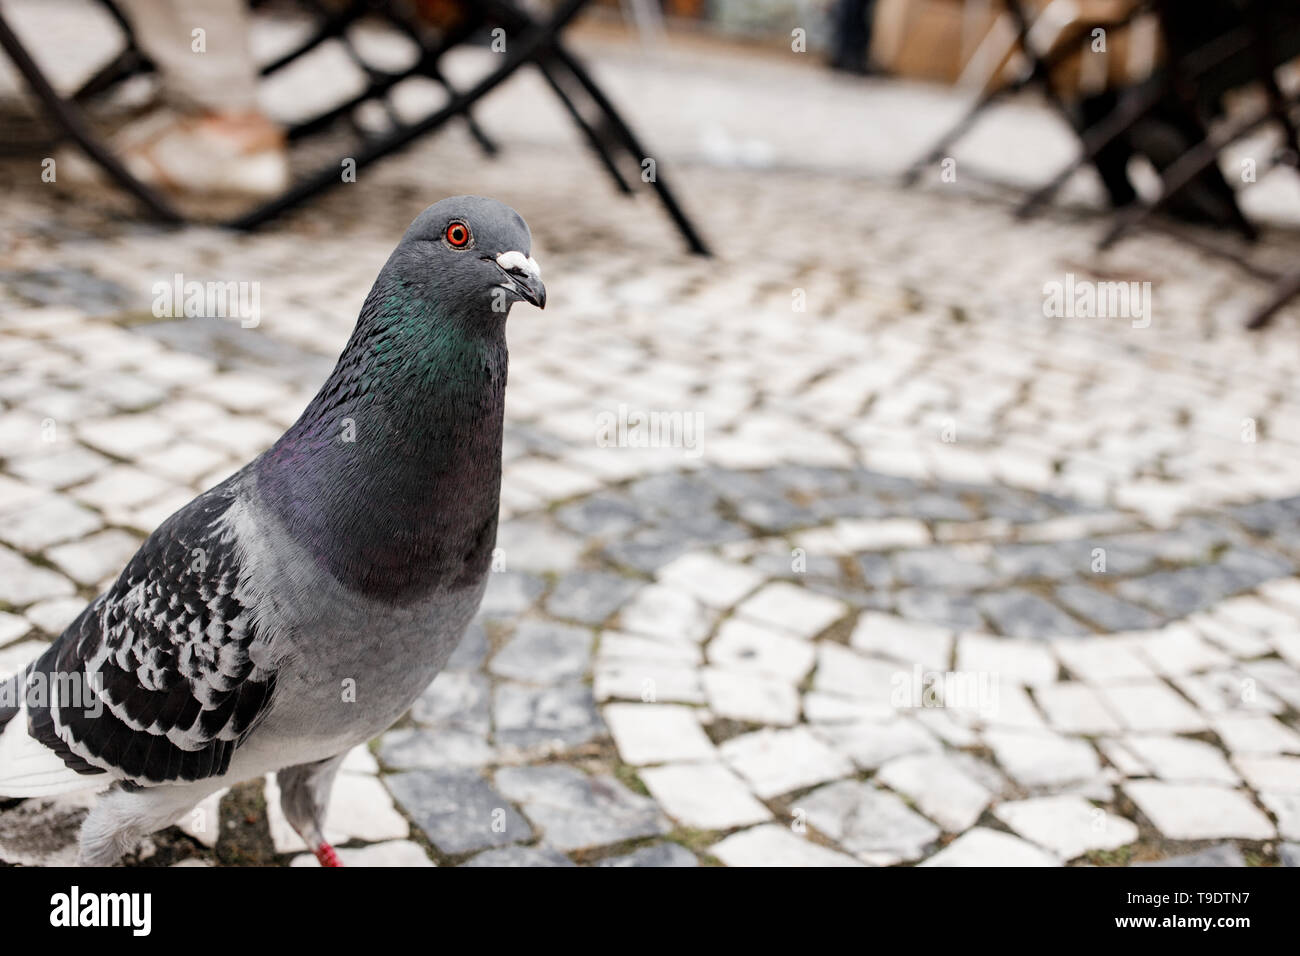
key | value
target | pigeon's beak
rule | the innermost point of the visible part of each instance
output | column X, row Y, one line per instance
column 523, row 276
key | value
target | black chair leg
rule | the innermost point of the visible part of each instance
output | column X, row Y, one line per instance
column 594, row 139
column 620, row 129
column 73, row 120
column 1132, row 107
column 1179, row 176
column 1285, row 290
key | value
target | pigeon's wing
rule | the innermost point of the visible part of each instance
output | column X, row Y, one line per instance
column 156, row 680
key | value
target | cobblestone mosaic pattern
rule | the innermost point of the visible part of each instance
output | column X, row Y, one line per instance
column 919, row 576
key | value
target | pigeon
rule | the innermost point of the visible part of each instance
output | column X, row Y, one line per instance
column 298, row 608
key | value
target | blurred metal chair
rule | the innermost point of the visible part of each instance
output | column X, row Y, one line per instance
column 1045, row 41
column 531, row 41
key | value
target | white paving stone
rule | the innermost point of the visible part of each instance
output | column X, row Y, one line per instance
column 1227, row 692
column 843, row 672
column 1023, row 662
column 203, row 822
column 741, row 644
column 54, row 518
column 1075, row 708
column 1276, row 774
column 1151, row 706
column 794, row 609
column 12, row 627
column 1183, row 811
column 1069, row 826
column 774, row 845
column 22, row 582
column 984, row 847
column 657, row 733
column 901, row 639
column 1101, row 660
column 887, row 534
column 91, row 559
column 647, row 681
column 774, row 762
column 939, row 788
column 1255, row 734
column 1038, row 759
column 1178, row 650
column 874, row 825
column 704, row 795
column 1286, row 807
column 834, row 709
column 360, row 808
column 632, row 648
column 872, row 743
column 710, row 579
column 665, row 612
column 748, row 696
column 1181, row 759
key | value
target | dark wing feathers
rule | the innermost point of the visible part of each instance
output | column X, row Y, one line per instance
column 165, row 656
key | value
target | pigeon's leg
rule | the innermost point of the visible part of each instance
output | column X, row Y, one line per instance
column 122, row 816
column 304, row 795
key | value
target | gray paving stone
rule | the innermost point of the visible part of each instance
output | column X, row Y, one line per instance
column 457, row 809
column 1185, row 591
column 590, row 596
column 455, row 699
column 471, row 651
column 1225, row 854
column 510, row 593
column 574, row 811
column 529, row 856
column 876, row 570
column 957, row 611
column 528, row 717
column 1018, row 613
column 1053, row 561
column 1105, row 610
column 423, row 749
column 647, row 550
column 543, row 652
column 601, row 515
column 661, row 854
column 674, row 494
column 940, row 568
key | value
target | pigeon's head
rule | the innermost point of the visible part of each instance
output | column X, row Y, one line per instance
column 472, row 252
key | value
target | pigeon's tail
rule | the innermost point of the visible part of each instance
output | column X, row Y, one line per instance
column 28, row 768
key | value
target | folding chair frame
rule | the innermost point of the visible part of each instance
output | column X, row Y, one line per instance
column 529, row 41
column 1040, row 74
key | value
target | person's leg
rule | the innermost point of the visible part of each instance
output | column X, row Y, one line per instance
column 216, row 139
column 852, row 33
column 201, row 50
column 1112, row 161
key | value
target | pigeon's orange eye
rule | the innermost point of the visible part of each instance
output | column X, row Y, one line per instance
column 458, row 235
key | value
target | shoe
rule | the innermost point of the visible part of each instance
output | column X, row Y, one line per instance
column 242, row 155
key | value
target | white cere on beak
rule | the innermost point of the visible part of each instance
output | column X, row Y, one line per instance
column 516, row 261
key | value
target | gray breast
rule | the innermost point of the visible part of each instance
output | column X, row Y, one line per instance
column 347, row 665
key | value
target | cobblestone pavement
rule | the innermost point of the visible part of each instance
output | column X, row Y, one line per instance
column 911, row 575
